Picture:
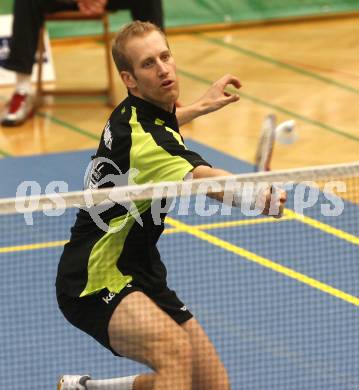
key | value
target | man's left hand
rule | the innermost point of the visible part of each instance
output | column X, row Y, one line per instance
column 217, row 96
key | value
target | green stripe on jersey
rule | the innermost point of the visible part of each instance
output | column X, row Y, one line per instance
column 175, row 134
column 102, row 266
column 153, row 164
column 102, row 269
column 152, row 161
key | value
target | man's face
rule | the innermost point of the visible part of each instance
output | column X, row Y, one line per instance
column 154, row 75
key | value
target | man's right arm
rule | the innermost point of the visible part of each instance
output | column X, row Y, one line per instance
column 267, row 200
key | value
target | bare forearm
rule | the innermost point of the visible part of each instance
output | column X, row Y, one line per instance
column 269, row 202
column 188, row 113
column 203, row 171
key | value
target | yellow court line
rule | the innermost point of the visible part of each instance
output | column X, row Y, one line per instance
column 288, row 215
column 29, row 247
column 322, row 226
column 227, row 224
column 263, row 261
column 51, row 244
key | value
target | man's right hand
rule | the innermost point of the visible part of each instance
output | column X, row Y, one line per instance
column 272, row 201
column 92, row 7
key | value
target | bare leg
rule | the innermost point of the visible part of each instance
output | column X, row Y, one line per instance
column 134, row 382
column 208, row 370
column 144, row 382
column 141, row 331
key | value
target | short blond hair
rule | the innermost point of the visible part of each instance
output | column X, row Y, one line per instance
column 129, row 31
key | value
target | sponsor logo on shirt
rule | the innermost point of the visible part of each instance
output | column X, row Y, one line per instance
column 103, row 172
column 108, row 298
column 107, row 136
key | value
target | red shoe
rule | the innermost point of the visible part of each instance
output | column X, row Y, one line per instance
column 20, row 107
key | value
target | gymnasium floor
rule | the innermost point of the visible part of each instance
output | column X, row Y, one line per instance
column 279, row 299
column 254, row 287
column 307, row 71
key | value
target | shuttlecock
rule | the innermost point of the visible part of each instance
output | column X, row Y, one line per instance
column 285, row 132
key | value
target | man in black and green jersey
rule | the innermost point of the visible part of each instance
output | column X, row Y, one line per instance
column 111, row 282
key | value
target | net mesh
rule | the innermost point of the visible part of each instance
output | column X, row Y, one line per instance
column 278, row 297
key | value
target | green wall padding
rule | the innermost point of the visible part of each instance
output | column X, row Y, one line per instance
column 193, row 12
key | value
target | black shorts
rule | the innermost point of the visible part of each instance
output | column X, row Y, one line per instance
column 92, row 313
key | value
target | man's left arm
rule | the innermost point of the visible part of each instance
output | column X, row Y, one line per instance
column 215, row 98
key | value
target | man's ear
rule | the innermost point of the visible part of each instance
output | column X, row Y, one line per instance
column 128, row 79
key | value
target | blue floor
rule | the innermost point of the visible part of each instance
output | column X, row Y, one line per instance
column 271, row 331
